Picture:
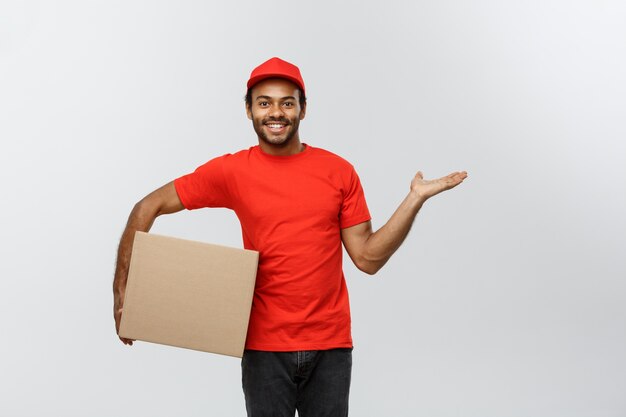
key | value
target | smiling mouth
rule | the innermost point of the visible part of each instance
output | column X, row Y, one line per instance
column 275, row 125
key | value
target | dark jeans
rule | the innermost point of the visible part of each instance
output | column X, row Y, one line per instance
column 315, row 382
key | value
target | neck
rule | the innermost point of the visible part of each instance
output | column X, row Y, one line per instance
column 292, row 147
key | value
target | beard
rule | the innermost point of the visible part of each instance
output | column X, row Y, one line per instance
column 291, row 128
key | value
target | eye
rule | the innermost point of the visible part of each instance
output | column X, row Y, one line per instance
column 288, row 104
column 263, row 103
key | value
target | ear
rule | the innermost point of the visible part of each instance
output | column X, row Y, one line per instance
column 302, row 112
column 248, row 112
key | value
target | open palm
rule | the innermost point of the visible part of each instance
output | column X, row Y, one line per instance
column 428, row 188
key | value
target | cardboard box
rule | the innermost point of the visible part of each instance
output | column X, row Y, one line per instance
column 189, row 294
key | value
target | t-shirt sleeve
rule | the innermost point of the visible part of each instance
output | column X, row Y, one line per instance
column 354, row 207
column 205, row 187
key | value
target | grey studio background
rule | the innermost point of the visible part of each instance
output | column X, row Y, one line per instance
column 506, row 300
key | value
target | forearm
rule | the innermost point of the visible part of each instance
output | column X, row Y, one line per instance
column 141, row 219
column 370, row 251
column 383, row 243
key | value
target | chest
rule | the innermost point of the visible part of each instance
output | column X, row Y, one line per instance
column 304, row 197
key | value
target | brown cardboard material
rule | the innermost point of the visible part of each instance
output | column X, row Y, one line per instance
column 189, row 294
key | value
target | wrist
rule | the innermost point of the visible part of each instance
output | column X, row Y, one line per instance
column 416, row 199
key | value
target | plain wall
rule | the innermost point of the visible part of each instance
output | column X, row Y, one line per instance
column 508, row 298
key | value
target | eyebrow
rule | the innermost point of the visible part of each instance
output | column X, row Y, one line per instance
column 269, row 98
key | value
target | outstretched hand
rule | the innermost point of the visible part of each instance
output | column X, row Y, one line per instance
column 425, row 189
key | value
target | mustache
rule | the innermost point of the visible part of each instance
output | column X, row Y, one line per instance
column 277, row 119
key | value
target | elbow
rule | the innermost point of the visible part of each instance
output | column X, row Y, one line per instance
column 146, row 208
column 369, row 270
column 368, row 262
column 369, row 267
column 143, row 215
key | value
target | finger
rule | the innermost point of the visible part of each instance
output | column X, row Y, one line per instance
column 458, row 176
column 449, row 179
column 419, row 175
column 127, row 341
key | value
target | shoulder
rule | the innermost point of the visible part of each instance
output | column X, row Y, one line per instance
column 236, row 156
column 230, row 159
column 244, row 153
column 327, row 157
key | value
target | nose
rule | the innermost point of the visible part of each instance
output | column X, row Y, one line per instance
column 276, row 111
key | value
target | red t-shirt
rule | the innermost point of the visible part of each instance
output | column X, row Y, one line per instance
column 291, row 210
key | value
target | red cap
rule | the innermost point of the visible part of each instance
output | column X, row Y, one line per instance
column 276, row 67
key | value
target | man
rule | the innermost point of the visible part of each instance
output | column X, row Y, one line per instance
column 297, row 204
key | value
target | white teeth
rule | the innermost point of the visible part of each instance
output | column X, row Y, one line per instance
column 272, row 126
